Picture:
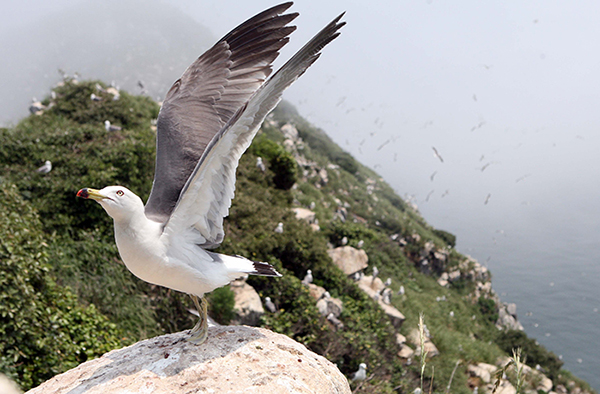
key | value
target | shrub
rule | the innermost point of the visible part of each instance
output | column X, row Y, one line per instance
column 533, row 352
column 488, row 309
column 448, row 238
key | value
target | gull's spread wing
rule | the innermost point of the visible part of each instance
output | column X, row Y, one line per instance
column 206, row 197
column 207, row 95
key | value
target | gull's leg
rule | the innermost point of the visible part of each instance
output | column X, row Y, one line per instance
column 200, row 330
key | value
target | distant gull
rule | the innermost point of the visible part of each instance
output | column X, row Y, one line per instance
column 207, row 121
column 360, row 244
column 95, row 98
column 375, row 273
column 335, row 321
column 401, row 290
column 344, row 241
column 487, row 198
column 432, row 176
column 437, row 154
column 308, row 278
column 110, row 127
column 312, row 205
column 269, row 304
column 361, row 374
column 260, row 165
column 279, row 228
column 36, row 107
column 46, row 168
column 388, row 282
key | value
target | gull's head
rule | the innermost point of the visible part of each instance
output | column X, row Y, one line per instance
column 118, row 201
column 363, row 366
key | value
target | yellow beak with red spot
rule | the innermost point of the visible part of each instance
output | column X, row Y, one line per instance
column 92, row 194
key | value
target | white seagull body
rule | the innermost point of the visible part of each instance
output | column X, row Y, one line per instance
column 207, row 121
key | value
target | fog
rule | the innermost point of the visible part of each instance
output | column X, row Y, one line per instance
column 506, row 92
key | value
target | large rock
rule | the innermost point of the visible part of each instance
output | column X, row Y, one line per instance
column 349, row 259
column 234, row 359
column 483, row 371
column 396, row 317
column 304, row 214
column 7, row 386
column 330, row 305
column 248, row 307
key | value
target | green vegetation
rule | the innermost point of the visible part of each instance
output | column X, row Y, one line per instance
column 66, row 297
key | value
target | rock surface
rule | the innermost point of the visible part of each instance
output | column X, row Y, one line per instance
column 349, row 259
column 234, row 359
column 7, row 386
column 248, row 307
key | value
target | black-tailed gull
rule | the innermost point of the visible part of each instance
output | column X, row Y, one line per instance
column 207, row 121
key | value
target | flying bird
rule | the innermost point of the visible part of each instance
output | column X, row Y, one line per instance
column 436, row 154
column 207, row 121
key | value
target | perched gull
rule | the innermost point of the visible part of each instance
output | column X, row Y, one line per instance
column 46, row 168
column 401, row 290
column 279, row 228
column 361, row 374
column 269, row 304
column 388, row 282
column 344, row 241
column 260, row 165
column 36, row 107
column 208, row 119
column 375, row 273
column 95, row 98
column 308, row 278
column 335, row 321
column 109, row 127
column 360, row 244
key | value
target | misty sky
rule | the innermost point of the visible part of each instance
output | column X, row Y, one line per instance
column 507, row 92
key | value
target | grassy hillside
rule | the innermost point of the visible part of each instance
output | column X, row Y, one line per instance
column 63, row 276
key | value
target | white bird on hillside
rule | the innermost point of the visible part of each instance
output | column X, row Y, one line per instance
column 36, row 107
column 388, row 282
column 401, row 291
column 95, row 98
column 344, row 241
column 279, row 228
column 46, row 168
column 308, row 278
column 260, row 164
column 270, row 306
column 110, row 127
column 335, row 321
column 360, row 244
column 208, row 119
column 375, row 273
column 361, row 374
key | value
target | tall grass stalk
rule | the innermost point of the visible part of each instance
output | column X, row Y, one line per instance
column 423, row 352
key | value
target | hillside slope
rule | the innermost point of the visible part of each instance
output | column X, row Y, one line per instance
column 346, row 204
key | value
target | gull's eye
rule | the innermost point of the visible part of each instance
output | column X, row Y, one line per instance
column 120, row 193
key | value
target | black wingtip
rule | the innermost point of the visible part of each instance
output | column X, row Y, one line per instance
column 264, row 269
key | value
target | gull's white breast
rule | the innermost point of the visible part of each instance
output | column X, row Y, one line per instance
column 168, row 262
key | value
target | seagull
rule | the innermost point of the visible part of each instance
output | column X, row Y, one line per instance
column 344, row 241
column 375, row 273
column 109, row 127
column 46, row 168
column 388, row 282
column 436, row 154
column 308, row 278
column 361, row 374
column 269, row 304
column 36, row 107
column 335, row 321
column 208, row 119
column 95, row 98
column 401, row 291
column 260, row 165
column 279, row 228
column 360, row 244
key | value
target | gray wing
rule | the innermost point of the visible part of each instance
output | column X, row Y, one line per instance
column 206, row 197
column 205, row 98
